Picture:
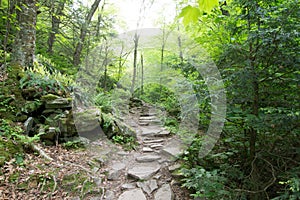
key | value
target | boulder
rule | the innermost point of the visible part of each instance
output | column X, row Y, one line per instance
column 87, row 120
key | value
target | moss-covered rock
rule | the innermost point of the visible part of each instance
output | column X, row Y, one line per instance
column 49, row 97
column 87, row 120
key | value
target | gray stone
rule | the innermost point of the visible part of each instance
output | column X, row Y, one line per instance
column 148, row 158
column 156, row 146
column 147, row 149
column 143, row 171
column 174, row 167
column 127, row 186
column 153, row 141
column 50, row 134
column 164, row 193
column 114, row 175
column 87, row 120
column 173, row 149
column 162, row 133
column 150, row 130
column 148, row 186
column 135, row 194
column 109, row 195
column 59, row 103
column 28, row 125
column 116, row 171
column 148, row 118
column 97, row 181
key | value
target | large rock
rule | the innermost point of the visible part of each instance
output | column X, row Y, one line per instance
column 143, row 171
column 28, row 124
column 164, row 193
column 87, row 120
column 55, row 102
column 135, row 194
column 173, row 149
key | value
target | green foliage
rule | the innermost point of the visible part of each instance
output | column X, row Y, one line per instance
column 43, row 79
column 76, row 144
column 103, row 100
column 161, row 96
column 126, row 141
column 206, row 184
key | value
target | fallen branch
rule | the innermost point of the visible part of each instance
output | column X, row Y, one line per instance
column 41, row 152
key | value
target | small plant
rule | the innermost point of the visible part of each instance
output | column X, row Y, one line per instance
column 126, row 141
column 76, row 144
column 206, row 184
column 104, row 102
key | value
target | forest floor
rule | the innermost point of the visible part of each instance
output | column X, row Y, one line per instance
column 102, row 170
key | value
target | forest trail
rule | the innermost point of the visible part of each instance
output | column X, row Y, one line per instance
column 146, row 172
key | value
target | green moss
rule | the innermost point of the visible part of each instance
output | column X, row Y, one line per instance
column 8, row 149
column 49, row 97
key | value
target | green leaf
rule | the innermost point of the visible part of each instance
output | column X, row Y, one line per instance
column 207, row 5
column 190, row 14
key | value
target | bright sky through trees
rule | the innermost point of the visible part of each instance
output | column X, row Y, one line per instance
column 129, row 11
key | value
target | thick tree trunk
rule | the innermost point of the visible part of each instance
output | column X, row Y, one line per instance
column 24, row 47
column 83, row 33
column 55, row 23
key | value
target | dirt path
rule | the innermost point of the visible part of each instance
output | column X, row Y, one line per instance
column 146, row 172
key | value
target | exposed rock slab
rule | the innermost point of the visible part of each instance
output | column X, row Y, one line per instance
column 150, row 130
column 148, row 186
column 173, row 149
column 147, row 149
column 164, row 193
column 143, row 171
column 135, row 194
column 148, row 158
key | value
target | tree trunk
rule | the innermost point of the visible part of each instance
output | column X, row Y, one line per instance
column 142, row 68
column 136, row 42
column 83, row 33
column 24, row 46
column 55, row 16
column 180, row 45
column 99, row 20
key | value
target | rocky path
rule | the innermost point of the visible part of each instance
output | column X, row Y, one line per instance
column 144, row 174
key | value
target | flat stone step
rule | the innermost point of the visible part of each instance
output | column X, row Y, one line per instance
column 144, row 124
column 148, row 118
column 162, row 133
column 156, row 146
column 149, row 130
column 143, row 171
column 148, row 158
column 153, row 121
column 147, row 149
column 153, row 141
column 148, row 186
column 135, row 194
column 164, row 193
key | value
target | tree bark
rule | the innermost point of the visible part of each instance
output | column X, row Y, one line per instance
column 83, row 33
column 136, row 42
column 142, row 66
column 24, row 44
column 55, row 17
